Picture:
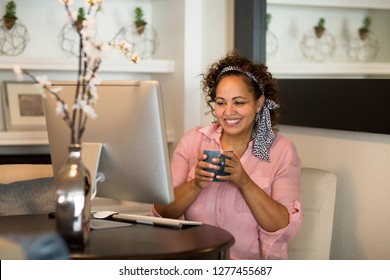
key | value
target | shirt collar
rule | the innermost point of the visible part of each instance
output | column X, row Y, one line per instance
column 214, row 132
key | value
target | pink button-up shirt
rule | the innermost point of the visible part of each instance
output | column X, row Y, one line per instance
column 222, row 204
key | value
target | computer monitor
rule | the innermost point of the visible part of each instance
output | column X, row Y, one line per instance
column 134, row 158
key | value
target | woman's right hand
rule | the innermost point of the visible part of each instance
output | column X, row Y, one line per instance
column 203, row 177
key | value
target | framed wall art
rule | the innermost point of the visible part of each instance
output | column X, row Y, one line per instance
column 23, row 106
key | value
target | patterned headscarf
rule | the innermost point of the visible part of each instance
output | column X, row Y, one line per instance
column 262, row 135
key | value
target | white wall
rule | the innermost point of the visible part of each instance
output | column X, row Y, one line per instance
column 210, row 24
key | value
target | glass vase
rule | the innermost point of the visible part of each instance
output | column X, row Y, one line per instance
column 73, row 200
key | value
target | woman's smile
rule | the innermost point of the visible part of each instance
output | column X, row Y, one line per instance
column 233, row 122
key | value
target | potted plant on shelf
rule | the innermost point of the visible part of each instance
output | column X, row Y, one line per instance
column 318, row 43
column 139, row 20
column 268, row 19
column 10, row 15
column 365, row 29
column 319, row 29
column 80, row 19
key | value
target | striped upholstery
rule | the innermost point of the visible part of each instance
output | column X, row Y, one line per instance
column 36, row 196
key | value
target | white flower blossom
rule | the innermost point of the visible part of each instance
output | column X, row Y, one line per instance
column 93, row 2
column 90, row 112
column 43, row 81
column 79, row 105
column 86, row 108
column 56, row 90
column 126, row 49
column 60, row 109
column 89, row 27
column 134, row 57
column 43, row 84
column 96, row 80
column 19, row 73
column 104, row 49
column 94, row 54
column 93, row 93
column 73, row 15
column 69, row 2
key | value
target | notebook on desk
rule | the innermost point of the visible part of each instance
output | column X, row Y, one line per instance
column 143, row 219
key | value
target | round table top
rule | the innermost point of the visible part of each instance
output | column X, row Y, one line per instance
column 137, row 241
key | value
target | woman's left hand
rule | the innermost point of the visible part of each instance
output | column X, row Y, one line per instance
column 237, row 176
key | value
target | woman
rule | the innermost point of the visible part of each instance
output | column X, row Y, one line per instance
column 259, row 202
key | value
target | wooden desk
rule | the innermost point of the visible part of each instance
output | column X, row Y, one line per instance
column 134, row 242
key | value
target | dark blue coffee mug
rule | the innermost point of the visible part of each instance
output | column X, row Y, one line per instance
column 216, row 154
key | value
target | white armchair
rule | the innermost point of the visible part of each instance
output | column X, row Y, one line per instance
column 318, row 201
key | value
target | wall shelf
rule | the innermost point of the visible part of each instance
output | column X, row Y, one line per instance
column 70, row 64
column 356, row 4
column 23, row 138
column 38, row 138
column 356, row 69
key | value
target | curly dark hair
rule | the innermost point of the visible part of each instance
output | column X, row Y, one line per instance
column 212, row 77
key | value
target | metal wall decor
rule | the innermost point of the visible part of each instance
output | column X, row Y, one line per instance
column 272, row 43
column 363, row 45
column 14, row 36
column 141, row 36
column 69, row 40
column 318, row 43
column 68, row 37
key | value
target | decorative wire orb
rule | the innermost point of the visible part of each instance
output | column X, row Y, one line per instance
column 144, row 43
column 363, row 49
column 317, row 48
column 69, row 40
column 272, row 43
column 13, row 41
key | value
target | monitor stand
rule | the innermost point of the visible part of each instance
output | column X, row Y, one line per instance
column 90, row 155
